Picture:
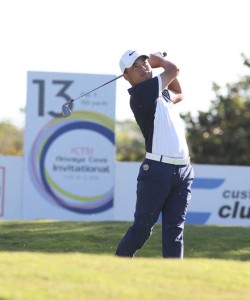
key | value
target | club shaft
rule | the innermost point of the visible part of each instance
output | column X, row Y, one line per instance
column 97, row 88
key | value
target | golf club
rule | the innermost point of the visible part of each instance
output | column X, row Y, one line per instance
column 66, row 111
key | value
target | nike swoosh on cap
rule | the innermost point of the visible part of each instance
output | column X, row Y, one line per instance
column 131, row 53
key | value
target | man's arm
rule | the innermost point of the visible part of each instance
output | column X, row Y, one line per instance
column 168, row 76
column 175, row 88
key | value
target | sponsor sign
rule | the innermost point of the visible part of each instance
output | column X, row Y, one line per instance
column 69, row 161
column 2, row 189
column 220, row 195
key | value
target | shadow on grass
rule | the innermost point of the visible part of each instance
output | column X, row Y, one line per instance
column 103, row 238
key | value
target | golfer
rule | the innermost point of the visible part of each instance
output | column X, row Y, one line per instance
column 165, row 176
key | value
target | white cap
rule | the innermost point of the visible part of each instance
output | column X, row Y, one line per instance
column 128, row 58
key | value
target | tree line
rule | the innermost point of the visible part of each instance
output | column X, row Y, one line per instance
column 220, row 135
column 11, row 139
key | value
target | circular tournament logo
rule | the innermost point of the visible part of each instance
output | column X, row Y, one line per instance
column 71, row 162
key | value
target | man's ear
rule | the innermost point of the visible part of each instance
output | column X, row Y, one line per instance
column 125, row 75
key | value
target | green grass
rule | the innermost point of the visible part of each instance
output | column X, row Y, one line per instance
column 75, row 260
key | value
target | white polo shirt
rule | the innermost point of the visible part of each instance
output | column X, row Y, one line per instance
column 158, row 119
column 169, row 134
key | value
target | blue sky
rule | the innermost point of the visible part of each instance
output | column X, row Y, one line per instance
column 204, row 38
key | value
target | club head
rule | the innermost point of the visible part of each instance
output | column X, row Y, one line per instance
column 66, row 111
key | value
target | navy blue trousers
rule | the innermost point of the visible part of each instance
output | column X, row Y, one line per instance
column 161, row 189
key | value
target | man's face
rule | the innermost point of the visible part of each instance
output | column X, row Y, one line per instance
column 139, row 72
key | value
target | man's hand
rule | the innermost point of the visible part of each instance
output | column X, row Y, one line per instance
column 155, row 60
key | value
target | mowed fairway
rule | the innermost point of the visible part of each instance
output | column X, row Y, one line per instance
column 75, row 260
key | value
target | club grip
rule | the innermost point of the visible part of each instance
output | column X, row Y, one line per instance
column 161, row 54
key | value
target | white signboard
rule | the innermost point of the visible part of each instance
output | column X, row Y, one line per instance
column 69, row 162
column 11, row 184
column 220, row 195
column 2, row 188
